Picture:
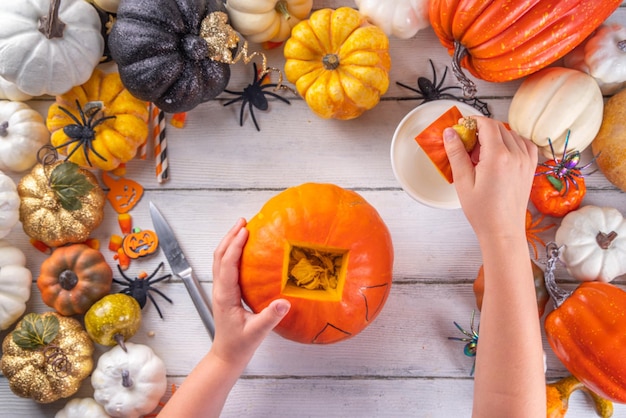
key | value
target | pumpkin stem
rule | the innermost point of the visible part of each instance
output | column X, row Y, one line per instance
column 68, row 279
column 51, row 26
column 4, row 128
column 468, row 86
column 127, row 382
column 605, row 240
column 557, row 294
column 559, row 392
column 281, row 7
column 330, row 61
column 621, row 45
column 119, row 339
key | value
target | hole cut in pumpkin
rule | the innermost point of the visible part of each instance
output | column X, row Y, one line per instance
column 313, row 272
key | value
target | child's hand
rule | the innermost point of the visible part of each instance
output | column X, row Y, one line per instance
column 238, row 332
column 494, row 193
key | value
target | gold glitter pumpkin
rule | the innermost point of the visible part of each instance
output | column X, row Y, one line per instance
column 54, row 370
column 51, row 212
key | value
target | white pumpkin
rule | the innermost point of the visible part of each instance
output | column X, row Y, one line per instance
column 603, row 56
column 82, row 408
column 38, row 62
column 15, row 284
column 594, row 240
column 23, row 132
column 399, row 18
column 9, row 205
column 553, row 101
column 129, row 383
column 267, row 20
column 9, row 91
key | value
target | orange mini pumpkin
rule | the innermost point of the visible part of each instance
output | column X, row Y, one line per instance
column 327, row 251
column 73, row 278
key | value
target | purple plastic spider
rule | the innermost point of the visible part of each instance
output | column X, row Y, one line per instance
column 565, row 170
column 471, row 339
column 255, row 96
column 140, row 287
column 428, row 91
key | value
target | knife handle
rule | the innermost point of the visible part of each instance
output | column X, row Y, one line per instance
column 201, row 302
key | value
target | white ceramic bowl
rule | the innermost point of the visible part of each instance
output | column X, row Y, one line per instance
column 415, row 172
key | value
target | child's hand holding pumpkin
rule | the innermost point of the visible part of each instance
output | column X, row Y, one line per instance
column 239, row 332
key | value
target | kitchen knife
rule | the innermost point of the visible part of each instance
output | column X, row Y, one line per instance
column 181, row 268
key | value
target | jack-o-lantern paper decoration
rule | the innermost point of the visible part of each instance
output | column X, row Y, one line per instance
column 123, row 193
column 140, row 243
column 327, row 251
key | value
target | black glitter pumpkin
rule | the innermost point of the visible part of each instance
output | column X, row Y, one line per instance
column 160, row 55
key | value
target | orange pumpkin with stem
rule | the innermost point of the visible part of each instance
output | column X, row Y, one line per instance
column 536, row 33
column 587, row 332
column 73, row 278
column 327, row 251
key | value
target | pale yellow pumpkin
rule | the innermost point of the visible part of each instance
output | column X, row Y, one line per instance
column 552, row 102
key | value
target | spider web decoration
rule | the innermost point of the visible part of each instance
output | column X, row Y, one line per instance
column 429, row 90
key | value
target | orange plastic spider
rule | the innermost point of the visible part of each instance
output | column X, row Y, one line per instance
column 532, row 230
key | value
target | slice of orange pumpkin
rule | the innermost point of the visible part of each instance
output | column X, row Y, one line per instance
column 431, row 140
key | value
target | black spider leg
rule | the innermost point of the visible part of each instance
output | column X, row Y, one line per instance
column 151, row 282
column 428, row 90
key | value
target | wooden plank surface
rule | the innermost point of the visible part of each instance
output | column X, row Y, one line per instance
column 401, row 365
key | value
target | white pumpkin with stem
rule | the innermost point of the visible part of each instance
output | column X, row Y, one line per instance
column 594, row 243
column 9, row 205
column 554, row 101
column 603, row 56
column 267, row 20
column 15, row 284
column 129, row 382
column 399, row 18
column 49, row 46
column 23, row 132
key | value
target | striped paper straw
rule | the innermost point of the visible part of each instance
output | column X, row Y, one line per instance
column 160, row 144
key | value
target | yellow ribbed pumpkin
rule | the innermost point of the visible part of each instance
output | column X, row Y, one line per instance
column 98, row 124
column 338, row 62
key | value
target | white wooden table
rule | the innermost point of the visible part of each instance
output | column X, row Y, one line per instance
column 401, row 365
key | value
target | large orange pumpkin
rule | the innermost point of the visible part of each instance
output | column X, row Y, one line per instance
column 502, row 40
column 327, row 251
column 587, row 332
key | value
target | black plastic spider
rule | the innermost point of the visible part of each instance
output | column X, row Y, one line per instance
column 565, row 171
column 428, row 91
column 83, row 131
column 140, row 287
column 254, row 95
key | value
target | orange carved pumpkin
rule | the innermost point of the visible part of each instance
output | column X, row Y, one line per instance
column 327, row 251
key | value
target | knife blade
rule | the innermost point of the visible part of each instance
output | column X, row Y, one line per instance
column 181, row 268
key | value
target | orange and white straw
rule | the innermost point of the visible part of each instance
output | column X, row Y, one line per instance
column 160, row 144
